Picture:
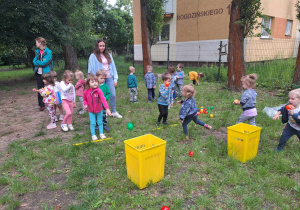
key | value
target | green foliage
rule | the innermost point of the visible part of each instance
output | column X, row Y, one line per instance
column 297, row 5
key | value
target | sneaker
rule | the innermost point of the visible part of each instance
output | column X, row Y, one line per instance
column 42, row 108
column 56, row 119
column 64, row 127
column 70, row 126
column 81, row 111
column 106, row 128
column 149, row 102
column 94, row 138
column 117, row 115
column 102, row 136
column 131, row 101
column 157, row 123
column 136, row 101
column 153, row 98
column 165, row 123
column 51, row 126
column 278, row 149
column 61, row 117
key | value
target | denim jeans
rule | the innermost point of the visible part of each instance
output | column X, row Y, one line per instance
column 151, row 93
column 93, row 118
column 188, row 119
column 111, row 85
column 287, row 133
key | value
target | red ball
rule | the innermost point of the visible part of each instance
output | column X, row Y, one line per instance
column 191, row 153
column 289, row 107
column 165, row 208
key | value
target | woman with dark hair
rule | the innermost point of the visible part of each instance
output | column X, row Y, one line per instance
column 42, row 63
column 102, row 59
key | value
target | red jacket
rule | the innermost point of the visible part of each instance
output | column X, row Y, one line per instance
column 80, row 87
column 94, row 98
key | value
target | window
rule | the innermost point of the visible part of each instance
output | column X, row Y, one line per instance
column 288, row 27
column 266, row 22
column 165, row 33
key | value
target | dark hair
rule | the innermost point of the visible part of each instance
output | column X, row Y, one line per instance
column 180, row 65
column 49, row 78
column 166, row 76
column 96, row 51
column 68, row 74
column 171, row 69
column 53, row 74
column 250, row 80
column 88, row 79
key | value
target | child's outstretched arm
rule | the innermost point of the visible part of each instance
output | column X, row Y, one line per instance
column 276, row 116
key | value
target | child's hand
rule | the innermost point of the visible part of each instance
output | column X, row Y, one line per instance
column 181, row 121
column 208, row 127
column 154, row 87
column 276, row 117
column 74, row 104
column 171, row 104
column 35, row 90
column 108, row 112
column 236, row 102
column 178, row 102
column 86, row 107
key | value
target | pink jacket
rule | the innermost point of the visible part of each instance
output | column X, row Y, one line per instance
column 94, row 98
column 80, row 87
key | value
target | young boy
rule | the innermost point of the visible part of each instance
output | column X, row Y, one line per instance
column 194, row 76
column 179, row 81
column 150, row 83
column 164, row 99
column 101, row 75
column 132, row 85
column 290, row 116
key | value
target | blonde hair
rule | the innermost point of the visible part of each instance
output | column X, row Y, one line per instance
column 131, row 68
column 78, row 72
column 190, row 90
column 101, row 72
column 249, row 80
column 295, row 92
column 41, row 40
column 68, row 75
column 166, row 76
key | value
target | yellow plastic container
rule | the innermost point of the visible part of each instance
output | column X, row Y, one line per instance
column 242, row 141
column 145, row 159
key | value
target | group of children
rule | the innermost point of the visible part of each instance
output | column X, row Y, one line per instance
column 93, row 94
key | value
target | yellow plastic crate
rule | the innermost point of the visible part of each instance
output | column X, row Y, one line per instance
column 145, row 159
column 242, row 141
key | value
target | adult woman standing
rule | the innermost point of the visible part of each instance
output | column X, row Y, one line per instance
column 102, row 59
column 42, row 64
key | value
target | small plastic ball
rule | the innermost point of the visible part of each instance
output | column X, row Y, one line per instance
column 211, row 115
column 130, row 126
column 191, row 153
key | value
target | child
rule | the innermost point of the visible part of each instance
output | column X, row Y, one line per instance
column 93, row 101
column 179, row 81
column 80, row 88
column 68, row 99
column 188, row 110
column 48, row 97
column 291, row 117
column 58, row 103
column 171, row 70
column 132, row 85
column 248, row 100
column 194, row 76
column 165, row 98
column 150, row 83
column 101, row 75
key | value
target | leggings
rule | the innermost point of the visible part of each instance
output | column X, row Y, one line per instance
column 81, row 100
column 68, row 107
column 163, row 112
column 51, row 111
column 93, row 118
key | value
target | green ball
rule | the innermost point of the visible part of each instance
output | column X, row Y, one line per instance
column 130, row 126
column 212, row 107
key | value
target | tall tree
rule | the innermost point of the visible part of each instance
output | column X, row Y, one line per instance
column 243, row 20
column 296, row 78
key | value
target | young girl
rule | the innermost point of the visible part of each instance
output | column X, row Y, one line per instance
column 68, row 99
column 188, row 110
column 165, row 98
column 48, row 97
column 248, row 100
column 93, row 100
column 179, row 81
column 291, row 116
column 80, row 87
column 57, row 96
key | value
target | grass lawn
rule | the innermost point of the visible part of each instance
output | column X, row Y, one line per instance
column 96, row 172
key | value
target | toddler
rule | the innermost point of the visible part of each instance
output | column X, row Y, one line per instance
column 291, row 117
column 58, row 103
column 189, row 110
column 171, row 70
column 48, row 97
column 248, row 100
column 68, row 99
column 194, row 76
column 93, row 101
column 101, row 75
column 150, row 83
column 179, row 81
column 165, row 98
column 132, row 85
column 80, row 88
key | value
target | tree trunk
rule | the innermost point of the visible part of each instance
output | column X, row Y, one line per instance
column 145, row 38
column 30, row 56
column 296, row 78
column 70, row 57
column 236, row 62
